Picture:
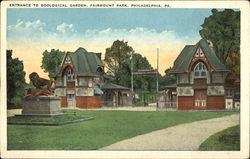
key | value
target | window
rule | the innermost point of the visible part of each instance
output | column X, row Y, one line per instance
column 70, row 96
column 229, row 93
column 199, row 53
column 200, row 70
column 70, row 75
column 237, row 94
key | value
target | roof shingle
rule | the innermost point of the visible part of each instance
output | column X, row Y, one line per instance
column 85, row 63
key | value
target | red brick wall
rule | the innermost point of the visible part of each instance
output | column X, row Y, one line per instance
column 185, row 103
column 215, row 102
column 88, row 102
column 63, row 101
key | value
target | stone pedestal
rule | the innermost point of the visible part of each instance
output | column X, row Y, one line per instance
column 42, row 106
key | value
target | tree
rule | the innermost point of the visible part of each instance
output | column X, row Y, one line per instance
column 167, row 78
column 51, row 61
column 116, row 54
column 233, row 62
column 15, row 80
column 141, row 82
column 223, row 29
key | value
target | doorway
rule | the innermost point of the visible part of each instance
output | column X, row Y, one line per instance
column 71, row 100
column 200, row 98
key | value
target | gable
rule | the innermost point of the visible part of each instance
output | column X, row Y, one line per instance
column 67, row 60
column 200, row 50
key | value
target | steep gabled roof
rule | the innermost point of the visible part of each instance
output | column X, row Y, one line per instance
column 184, row 59
column 85, row 63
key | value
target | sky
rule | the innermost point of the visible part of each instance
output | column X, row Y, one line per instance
column 31, row 31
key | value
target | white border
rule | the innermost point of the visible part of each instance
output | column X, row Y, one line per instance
column 245, row 74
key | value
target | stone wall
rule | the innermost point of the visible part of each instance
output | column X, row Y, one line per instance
column 60, row 92
column 84, row 92
column 83, row 81
column 215, row 90
column 182, row 78
column 185, row 91
column 59, row 81
column 217, row 77
column 41, row 105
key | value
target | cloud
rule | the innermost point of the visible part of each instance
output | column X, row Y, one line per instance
column 33, row 31
column 21, row 26
column 64, row 28
column 26, row 35
column 29, row 30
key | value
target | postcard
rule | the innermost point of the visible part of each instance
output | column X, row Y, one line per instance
column 124, row 79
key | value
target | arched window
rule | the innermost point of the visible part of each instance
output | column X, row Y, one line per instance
column 200, row 70
column 70, row 74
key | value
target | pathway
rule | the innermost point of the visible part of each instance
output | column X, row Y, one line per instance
column 183, row 137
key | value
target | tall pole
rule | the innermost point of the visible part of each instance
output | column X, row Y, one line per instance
column 157, row 79
column 132, row 79
column 132, row 82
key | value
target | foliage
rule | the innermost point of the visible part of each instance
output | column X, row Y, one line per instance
column 167, row 78
column 145, row 99
column 228, row 139
column 223, row 29
column 116, row 54
column 15, row 81
column 51, row 61
column 107, row 128
column 141, row 82
column 233, row 62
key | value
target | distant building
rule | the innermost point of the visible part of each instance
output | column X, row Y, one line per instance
column 200, row 81
column 167, row 98
column 116, row 95
column 78, row 80
column 232, row 94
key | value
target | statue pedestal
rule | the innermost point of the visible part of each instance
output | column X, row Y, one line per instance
column 41, row 106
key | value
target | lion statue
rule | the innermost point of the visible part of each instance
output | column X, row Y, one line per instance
column 39, row 83
column 37, row 92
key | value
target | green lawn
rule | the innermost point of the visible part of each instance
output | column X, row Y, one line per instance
column 107, row 128
column 228, row 139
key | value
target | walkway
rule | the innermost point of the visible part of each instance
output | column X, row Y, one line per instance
column 181, row 137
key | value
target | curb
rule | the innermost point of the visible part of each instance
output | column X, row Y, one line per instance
column 51, row 123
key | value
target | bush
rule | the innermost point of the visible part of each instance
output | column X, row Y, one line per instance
column 14, row 103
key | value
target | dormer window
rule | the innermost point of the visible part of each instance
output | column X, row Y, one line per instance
column 70, row 75
column 199, row 53
column 67, row 60
column 200, row 70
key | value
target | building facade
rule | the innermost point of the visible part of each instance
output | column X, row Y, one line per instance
column 200, row 77
column 116, row 95
column 78, row 80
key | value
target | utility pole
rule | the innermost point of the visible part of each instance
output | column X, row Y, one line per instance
column 157, row 79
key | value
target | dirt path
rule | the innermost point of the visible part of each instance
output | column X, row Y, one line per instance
column 181, row 137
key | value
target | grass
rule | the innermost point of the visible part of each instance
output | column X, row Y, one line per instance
column 107, row 128
column 228, row 139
